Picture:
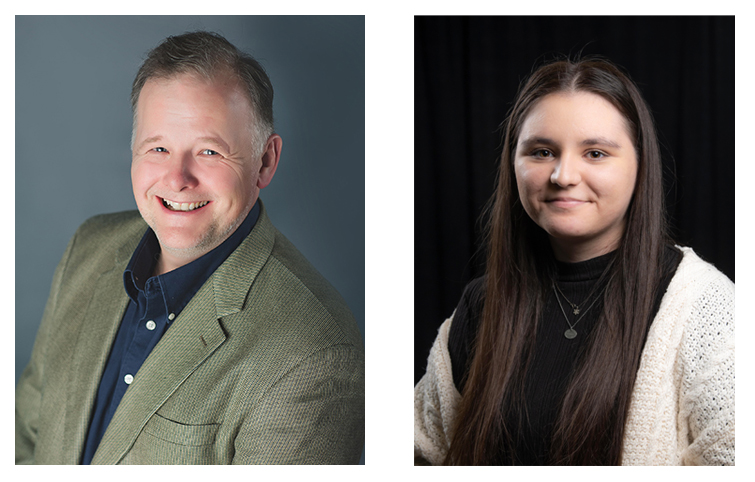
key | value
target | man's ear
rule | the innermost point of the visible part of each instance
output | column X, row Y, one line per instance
column 270, row 158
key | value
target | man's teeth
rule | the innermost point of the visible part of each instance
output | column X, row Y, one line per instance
column 183, row 206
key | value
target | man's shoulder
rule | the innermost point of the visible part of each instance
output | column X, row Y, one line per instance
column 305, row 288
column 107, row 236
column 112, row 224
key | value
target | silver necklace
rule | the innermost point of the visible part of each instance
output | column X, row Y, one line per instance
column 574, row 306
column 571, row 332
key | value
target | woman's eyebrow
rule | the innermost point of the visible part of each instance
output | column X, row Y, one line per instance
column 592, row 141
column 534, row 141
column 600, row 141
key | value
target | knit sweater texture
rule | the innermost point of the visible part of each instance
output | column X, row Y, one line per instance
column 682, row 407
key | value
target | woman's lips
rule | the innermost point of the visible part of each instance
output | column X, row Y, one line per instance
column 565, row 202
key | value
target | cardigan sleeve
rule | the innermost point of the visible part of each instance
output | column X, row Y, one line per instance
column 436, row 402
column 706, row 363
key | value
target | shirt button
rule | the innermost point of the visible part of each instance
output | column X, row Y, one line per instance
column 150, row 325
column 171, row 316
column 128, row 379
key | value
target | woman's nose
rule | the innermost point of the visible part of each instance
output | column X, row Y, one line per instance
column 566, row 171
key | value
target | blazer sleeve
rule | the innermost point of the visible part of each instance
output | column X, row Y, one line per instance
column 28, row 390
column 706, row 409
column 314, row 414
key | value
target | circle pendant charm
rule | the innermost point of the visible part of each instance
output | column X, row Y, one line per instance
column 570, row 333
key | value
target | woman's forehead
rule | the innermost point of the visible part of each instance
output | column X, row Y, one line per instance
column 574, row 114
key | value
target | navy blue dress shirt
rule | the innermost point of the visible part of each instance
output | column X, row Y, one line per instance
column 155, row 302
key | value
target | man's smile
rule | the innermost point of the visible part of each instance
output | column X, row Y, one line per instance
column 176, row 206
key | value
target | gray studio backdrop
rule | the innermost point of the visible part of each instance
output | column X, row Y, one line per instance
column 73, row 128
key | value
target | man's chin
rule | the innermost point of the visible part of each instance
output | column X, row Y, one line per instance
column 186, row 249
column 181, row 245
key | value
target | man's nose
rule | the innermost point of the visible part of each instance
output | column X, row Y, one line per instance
column 180, row 172
column 566, row 170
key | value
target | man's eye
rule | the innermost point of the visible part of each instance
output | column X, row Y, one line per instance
column 159, row 149
column 209, row 152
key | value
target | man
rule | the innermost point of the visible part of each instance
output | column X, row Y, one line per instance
column 202, row 336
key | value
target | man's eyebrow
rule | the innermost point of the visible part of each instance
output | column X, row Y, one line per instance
column 212, row 140
column 149, row 140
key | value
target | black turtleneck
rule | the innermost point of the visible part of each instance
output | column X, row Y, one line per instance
column 555, row 356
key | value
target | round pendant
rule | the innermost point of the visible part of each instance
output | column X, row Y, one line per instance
column 570, row 333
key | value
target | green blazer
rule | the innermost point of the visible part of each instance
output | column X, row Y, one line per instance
column 265, row 365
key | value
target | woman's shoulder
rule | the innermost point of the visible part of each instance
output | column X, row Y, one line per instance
column 473, row 297
column 695, row 277
column 469, row 308
column 707, row 292
column 466, row 320
column 697, row 309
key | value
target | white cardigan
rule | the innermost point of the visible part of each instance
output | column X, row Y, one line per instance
column 682, row 406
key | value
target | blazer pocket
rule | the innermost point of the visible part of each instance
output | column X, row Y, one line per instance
column 181, row 434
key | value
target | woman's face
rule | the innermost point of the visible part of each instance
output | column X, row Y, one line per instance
column 576, row 166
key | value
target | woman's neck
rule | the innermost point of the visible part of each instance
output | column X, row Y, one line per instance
column 574, row 252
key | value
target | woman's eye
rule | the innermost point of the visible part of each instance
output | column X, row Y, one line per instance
column 595, row 155
column 209, row 152
column 542, row 153
column 160, row 149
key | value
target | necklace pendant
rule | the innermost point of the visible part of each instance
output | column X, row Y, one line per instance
column 576, row 311
column 570, row 333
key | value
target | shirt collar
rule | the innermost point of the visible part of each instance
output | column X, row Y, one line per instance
column 179, row 286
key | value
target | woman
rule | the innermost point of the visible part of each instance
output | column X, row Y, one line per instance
column 591, row 339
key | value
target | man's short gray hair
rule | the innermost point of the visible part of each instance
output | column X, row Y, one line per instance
column 209, row 55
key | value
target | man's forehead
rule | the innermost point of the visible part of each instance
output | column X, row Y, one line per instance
column 198, row 87
column 212, row 111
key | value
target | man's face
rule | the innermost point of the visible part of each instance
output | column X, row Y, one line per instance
column 194, row 171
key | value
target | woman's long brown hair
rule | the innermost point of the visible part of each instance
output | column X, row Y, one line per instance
column 590, row 426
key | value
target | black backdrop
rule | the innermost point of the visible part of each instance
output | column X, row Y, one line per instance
column 467, row 71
